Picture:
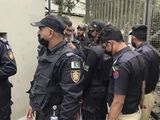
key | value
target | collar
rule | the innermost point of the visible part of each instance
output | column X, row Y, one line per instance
column 57, row 47
column 120, row 53
column 142, row 44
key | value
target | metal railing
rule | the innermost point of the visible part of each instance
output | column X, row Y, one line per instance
column 125, row 13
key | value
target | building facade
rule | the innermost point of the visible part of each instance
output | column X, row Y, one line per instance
column 16, row 16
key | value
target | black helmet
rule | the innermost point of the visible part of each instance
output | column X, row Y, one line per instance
column 97, row 25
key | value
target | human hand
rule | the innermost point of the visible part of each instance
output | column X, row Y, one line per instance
column 29, row 113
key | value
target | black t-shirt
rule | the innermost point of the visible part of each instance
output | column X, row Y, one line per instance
column 126, row 78
column 151, row 59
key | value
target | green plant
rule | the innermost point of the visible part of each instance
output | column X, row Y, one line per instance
column 65, row 5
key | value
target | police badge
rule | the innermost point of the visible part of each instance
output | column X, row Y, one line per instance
column 10, row 55
column 75, row 75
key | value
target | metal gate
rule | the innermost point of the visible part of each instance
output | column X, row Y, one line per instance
column 154, row 23
column 125, row 13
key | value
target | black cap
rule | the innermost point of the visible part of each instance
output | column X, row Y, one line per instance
column 110, row 32
column 139, row 31
column 52, row 22
column 82, row 27
column 97, row 25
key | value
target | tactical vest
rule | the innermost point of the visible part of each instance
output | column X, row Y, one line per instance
column 96, row 90
column 44, row 85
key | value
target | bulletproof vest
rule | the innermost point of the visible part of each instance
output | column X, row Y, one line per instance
column 98, row 76
column 96, row 90
column 100, row 69
column 44, row 84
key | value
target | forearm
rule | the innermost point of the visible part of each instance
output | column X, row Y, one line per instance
column 143, row 93
column 115, row 109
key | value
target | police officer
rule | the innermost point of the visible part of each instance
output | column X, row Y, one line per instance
column 81, row 29
column 57, row 80
column 7, row 69
column 126, row 76
column 96, row 84
column 94, row 28
column 69, row 36
column 150, row 55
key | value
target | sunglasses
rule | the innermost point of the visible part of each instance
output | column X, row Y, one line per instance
column 92, row 30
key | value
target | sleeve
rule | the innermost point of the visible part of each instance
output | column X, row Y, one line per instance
column 71, row 84
column 121, row 79
column 7, row 61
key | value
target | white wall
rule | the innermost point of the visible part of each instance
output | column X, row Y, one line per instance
column 16, row 16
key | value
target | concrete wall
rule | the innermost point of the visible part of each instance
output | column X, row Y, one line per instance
column 16, row 16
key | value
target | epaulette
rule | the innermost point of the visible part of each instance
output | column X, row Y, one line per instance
column 3, row 40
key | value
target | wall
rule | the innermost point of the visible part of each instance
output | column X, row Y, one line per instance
column 16, row 16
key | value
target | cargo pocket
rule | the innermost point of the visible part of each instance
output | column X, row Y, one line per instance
column 40, row 84
column 39, row 96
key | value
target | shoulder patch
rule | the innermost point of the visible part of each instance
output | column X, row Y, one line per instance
column 75, row 75
column 115, row 74
column 10, row 55
column 75, row 64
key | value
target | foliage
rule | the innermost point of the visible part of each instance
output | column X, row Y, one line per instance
column 66, row 5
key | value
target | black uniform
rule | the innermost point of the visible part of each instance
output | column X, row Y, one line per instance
column 84, row 41
column 57, row 81
column 95, row 84
column 151, row 59
column 7, row 69
column 126, row 79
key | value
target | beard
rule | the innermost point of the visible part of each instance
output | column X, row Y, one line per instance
column 133, row 44
column 89, row 35
column 42, row 41
column 108, row 53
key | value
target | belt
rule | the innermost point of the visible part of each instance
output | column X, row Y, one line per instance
column 130, row 111
column 147, row 91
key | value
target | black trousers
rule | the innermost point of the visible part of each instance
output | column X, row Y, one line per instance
column 5, row 112
column 46, row 115
column 97, row 115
